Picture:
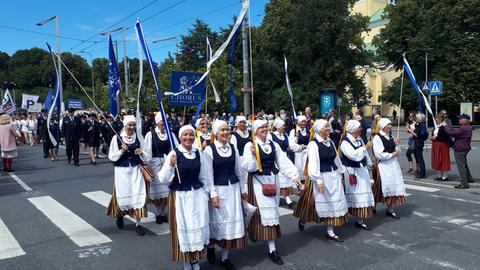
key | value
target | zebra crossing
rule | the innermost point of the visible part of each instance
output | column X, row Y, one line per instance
column 80, row 232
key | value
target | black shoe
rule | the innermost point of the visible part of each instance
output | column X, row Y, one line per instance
column 438, row 179
column 275, row 257
column 362, row 226
column 374, row 210
column 158, row 219
column 471, row 181
column 211, row 255
column 227, row 264
column 252, row 240
column 301, row 225
column 291, row 205
column 443, row 179
column 419, row 176
column 334, row 238
column 76, row 164
column 164, row 219
column 392, row 214
column 69, row 161
column 119, row 222
column 45, row 156
column 462, row 187
column 94, row 163
column 140, row 231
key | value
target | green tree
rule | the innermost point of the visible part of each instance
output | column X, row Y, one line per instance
column 26, row 67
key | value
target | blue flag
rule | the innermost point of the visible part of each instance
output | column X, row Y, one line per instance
column 231, row 93
column 113, row 78
column 48, row 100
column 56, row 100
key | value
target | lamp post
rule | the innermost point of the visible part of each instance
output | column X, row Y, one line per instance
column 167, row 39
column 58, row 53
column 426, row 50
column 93, row 81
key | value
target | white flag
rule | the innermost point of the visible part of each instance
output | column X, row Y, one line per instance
column 29, row 101
column 8, row 104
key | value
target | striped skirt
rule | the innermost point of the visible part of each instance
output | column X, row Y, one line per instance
column 238, row 243
column 256, row 230
column 286, row 191
column 378, row 194
column 177, row 255
column 114, row 211
column 365, row 212
column 162, row 202
column 305, row 209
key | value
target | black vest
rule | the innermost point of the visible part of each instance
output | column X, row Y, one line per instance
column 159, row 148
column 241, row 142
column 303, row 140
column 223, row 168
column 267, row 161
column 388, row 145
column 128, row 158
column 351, row 163
column 203, row 139
column 283, row 144
column 189, row 171
column 327, row 155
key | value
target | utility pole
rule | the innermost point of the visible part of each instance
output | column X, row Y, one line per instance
column 125, row 63
column 246, row 72
column 426, row 81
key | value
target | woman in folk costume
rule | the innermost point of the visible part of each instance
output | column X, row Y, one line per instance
column 202, row 136
column 264, row 159
column 241, row 135
column 388, row 187
column 358, row 189
column 300, row 136
column 186, row 171
column 324, row 197
column 227, row 228
column 156, row 147
column 441, row 149
column 129, row 192
column 280, row 137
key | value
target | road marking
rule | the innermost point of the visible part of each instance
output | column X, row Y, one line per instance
column 427, row 183
column 149, row 223
column 19, row 181
column 9, row 247
column 284, row 211
column 421, row 188
column 454, row 199
column 459, row 221
column 78, row 230
column 421, row 214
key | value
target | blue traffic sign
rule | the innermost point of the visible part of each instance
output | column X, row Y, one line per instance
column 425, row 86
column 435, row 88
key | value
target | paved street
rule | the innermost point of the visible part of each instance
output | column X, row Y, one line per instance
column 439, row 227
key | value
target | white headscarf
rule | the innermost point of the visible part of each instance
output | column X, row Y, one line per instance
column 216, row 126
column 197, row 123
column 301, row 118
column 158, row 117
column 384, row 122
column 128, row 119
column 185, row 128
column 319, row 124
column 258, row 123
column 239, row 119
column 278, row 123
column 352, row 125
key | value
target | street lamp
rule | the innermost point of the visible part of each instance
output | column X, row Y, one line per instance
column 58, row 53
column 167, row 39
column 426, row 50
column 93, row 81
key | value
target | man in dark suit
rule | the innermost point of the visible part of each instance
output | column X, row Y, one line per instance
column 70, row 133
column 42, row 131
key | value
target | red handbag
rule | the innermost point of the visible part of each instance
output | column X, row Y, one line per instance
column 268, row 190
column 353, row 179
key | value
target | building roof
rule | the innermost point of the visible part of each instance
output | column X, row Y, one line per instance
column 377, row 19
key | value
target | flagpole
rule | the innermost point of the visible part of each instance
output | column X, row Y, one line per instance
column 400, row 103
column 206, row 83
column 251, row 57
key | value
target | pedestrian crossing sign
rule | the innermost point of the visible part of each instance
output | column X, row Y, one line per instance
column 425, row 87
column 435, row 88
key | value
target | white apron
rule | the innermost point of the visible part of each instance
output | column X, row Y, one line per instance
column 300, row 159
column 331, row 203
column 226, row 222
column 157, row 189
column 391, row 177
column 359, row 195
column 129, row 187
column 267, row 206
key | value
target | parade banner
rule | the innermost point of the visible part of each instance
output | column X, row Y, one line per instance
column 231, row 93
column 29, row 100
column 56, row 100
column 48, row 100
column 289, row 87
column 113, row 78
column 184, row 82
column 210, row 55
column 8, row 104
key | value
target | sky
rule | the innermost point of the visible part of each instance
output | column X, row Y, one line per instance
column 85, row 19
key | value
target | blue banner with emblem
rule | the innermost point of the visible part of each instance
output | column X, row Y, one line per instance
column 183, row 89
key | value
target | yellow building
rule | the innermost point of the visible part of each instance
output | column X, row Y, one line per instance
column 378, row 78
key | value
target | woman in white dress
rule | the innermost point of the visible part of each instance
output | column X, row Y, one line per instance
column 358, row 189
column 280, row 137
column 129, row 191
column 324, row 186
column 241, row 135
column 264, row 159
column 156, row 146
column 300, row 136
column 202, row 136
column 389, row 187
column 227, row 228
column 186, row 171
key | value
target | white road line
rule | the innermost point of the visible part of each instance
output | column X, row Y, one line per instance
column 454, row 199
column 20, row 181
column 78, row 230
column 9, row 247
column 103, row 199
column 427, row 183
column 421, row 188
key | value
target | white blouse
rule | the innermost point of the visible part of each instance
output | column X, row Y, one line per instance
column 147, row 147
column 114, row 153
column 224, row 151
column 167, row 172
column 314, row 159
column 378, row 147
column 355, row 154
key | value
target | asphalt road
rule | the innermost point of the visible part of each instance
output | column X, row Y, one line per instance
column 439, row 226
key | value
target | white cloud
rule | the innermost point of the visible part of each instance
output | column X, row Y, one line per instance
column 84, row 27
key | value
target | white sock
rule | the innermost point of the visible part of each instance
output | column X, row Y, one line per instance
column 439, row 174
column 187, row 266
column 360, row 220
column 271, row 246
column 289, row 201
column 163, row 211
column 444, row 174
column 224, row 254
column 390, row 208
column 196, row 265
column 159, row 211
column 330, row 230
column 137, row 221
